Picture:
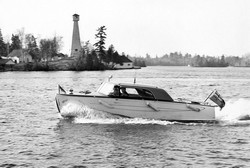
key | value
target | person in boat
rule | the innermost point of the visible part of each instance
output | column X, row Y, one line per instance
column 124, row 92
column 116, row 92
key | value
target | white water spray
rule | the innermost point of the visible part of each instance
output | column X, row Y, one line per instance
column 83, row 114
column 235, row 112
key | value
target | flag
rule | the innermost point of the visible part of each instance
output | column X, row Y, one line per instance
column 60, row 89
column 217, row 99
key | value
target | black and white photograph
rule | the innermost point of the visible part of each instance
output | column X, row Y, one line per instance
column 124, row 83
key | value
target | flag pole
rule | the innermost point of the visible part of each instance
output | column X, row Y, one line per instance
column 209, row 95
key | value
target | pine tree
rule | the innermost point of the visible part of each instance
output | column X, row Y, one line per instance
column 32, row 47
column 89, row 62
column 95, row 60
column 81, row 61
column 110, row 54
column 116, row 57
column 100, row 48
column 3, row 46
column 15, row 43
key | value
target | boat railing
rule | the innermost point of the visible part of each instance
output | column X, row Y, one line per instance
column 184, row 100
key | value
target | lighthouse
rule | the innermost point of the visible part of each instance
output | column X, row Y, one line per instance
column 76, row 43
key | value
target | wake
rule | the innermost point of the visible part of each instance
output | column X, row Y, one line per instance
column 83, row 114
column 236, row 113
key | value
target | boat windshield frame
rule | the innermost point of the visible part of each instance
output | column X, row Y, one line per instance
column 106, row 88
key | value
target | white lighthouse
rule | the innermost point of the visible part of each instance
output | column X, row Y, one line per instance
column 76, row 43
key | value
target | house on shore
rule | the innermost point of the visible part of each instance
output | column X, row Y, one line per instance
column 20, row 56
column 124, row 63
column 6, row 63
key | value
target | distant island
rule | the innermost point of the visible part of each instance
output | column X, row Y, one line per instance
column 68, row 64
column 179, row 59
column 89, row 61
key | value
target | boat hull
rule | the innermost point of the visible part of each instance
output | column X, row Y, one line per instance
column 135, row 108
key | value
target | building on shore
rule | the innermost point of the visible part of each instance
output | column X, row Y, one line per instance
column 20, row 56
column 6, row 63
column 124, row 63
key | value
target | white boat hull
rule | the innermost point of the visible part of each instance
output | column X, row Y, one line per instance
column 134, row 108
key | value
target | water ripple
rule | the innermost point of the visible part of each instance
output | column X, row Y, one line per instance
column 32, row 134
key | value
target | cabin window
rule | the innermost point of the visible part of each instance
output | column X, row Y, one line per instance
column 132, row 91
column 139, row 93
column 145, row 94
column 129, row 92
column 128, row 64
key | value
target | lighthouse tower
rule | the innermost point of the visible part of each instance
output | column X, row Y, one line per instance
column 76, row 43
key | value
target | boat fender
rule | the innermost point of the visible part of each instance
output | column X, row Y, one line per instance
column 105, row 104
column 151, row 106
column 194, row 102
column 193, row 108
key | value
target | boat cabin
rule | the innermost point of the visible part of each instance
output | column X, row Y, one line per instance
column 133, row 91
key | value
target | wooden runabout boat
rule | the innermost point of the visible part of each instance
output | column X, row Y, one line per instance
column 137, row 101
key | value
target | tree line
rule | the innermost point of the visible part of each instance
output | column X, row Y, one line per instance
column 46, row 49
column 179, row 59
column 96, row 58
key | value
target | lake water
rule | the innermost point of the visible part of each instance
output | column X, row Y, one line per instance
column 32, row 133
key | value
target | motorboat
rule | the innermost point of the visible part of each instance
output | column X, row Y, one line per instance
column 134, row 100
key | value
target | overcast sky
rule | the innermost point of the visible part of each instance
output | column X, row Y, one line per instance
column 137, row 27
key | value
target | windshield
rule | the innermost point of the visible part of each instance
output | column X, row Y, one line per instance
column 106, row 88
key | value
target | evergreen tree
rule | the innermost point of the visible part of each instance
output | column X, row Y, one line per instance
column 116, row 57
column 3, row 46
column 89, row 62
column 110, row 54
column 95, row 60
column 100, row 48
column 80, row 62
column 143, row 64
column 222, row 61
column 15, row 43
column 32, row 47
column 135, row 62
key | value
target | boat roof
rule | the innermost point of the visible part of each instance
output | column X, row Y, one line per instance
column 132, row 85
column 159, row 94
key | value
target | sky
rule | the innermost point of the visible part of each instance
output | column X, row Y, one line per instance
column 137, row 27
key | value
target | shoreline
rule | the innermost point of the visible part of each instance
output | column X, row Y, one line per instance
column 68, row 65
